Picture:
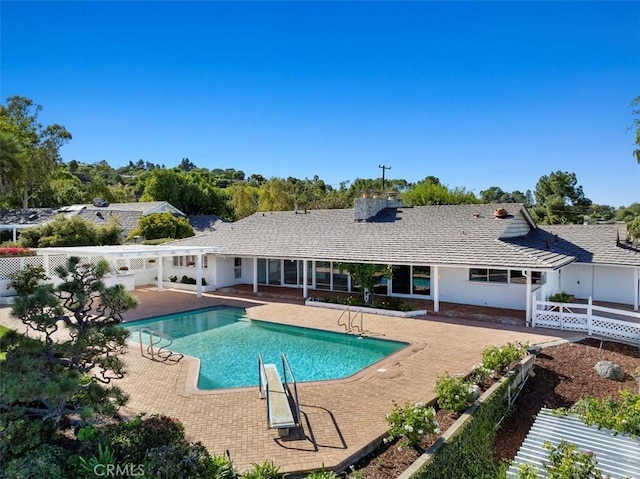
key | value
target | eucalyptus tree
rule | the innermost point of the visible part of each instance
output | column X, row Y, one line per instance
column 11, row 162
column 40, row 144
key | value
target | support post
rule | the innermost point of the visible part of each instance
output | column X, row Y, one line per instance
column 305, row 274
column 159, row 278
column 199, row 275
column 255, row 275
column 636, row 287
column 528, row 298
column 436, row 288
column 589, row 314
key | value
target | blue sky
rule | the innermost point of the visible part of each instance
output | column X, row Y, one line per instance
column 478, row 94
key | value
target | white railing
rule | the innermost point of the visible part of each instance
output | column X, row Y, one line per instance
column 587, row 318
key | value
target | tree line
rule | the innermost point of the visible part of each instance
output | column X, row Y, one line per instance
column 32, row 174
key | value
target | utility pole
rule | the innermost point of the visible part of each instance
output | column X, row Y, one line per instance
column 383, row 170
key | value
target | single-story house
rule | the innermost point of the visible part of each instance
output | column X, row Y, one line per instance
column 99, row 212
column 486, row 255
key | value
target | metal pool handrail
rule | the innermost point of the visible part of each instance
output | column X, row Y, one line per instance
column 287, row 367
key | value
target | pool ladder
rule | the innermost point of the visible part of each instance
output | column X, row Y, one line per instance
column 156, row 347
column 352, row 316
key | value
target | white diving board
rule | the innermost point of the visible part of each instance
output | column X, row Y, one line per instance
column 280, row 415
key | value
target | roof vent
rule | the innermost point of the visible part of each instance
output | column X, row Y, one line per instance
column 100, row 202
column 500, row 213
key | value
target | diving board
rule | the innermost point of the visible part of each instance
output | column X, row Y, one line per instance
column 280, row 414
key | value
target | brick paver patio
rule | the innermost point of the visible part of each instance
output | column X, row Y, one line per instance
column 340, row 419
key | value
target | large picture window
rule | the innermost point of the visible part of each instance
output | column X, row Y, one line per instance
column 421, row 280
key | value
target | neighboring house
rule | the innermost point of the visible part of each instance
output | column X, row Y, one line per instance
column 15, row 220
column 98, row 213
column 486, row 255
column 126, row 214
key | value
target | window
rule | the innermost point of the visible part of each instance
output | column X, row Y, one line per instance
column 323, row 275
column 237, row 268
column 401, row 282
column 518, row 277
column 262, row 271
column 274, row 271
column 488, row 275
column 340, row 280
column 178, row 261
column 421, row 283
column 290, row 272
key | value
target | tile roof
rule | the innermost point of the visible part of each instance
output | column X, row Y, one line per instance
column 598, row 244
column 144, row 207
column 127, row 220
column 30, row 217
column 446, row 234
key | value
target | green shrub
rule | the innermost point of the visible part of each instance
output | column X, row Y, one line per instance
column 469, row 455
column 498, row 359
column 566, row 462
column 413, row 422
column 266, row 470
column 46, row 461
column 162, row 225
column 561, row 297
column 130, row 440
column 87, row 433
column 20, row 435
column 222, row 467
column 89, row 466
column 527, row 471
column 180, row 460
column 158, row 241
column 619, row 415
column 322, row 474
column 453, row 393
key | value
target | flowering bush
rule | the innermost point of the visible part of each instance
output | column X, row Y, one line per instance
column 412, row 421
column 454, row 393
column 619, row 415
column 14, row 251
column 498, row 359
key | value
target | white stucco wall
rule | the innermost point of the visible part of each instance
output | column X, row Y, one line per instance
column 225, row 275
column 602, row 283
column 455, row 287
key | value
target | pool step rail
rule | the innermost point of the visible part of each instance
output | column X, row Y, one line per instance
column 157, row 346
column 349, row 323
column 281, row 394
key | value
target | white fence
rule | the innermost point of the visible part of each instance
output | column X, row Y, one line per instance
column 587, row 318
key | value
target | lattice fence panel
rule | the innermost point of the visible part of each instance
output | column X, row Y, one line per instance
column 9, row 266
column 55, row 261
column 615, row 329
column 136, row 263
column 574, row 322
column 547, row 319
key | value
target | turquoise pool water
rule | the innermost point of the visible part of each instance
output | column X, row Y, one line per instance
column 228, row 343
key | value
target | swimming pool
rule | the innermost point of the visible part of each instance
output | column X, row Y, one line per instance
column 227, row 343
